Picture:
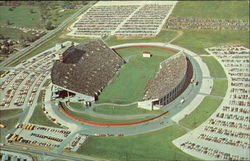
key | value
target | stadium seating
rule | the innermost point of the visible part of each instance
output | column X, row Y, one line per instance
column 86, row 68
column 169, row 79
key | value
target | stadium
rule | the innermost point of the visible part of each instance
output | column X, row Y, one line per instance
column 125, row 80
column 84, row 70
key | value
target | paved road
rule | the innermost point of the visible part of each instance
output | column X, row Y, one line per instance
column 38, row 42
column 50, row 154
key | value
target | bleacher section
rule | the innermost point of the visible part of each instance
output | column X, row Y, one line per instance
column 168, row 82
column 86, row 68
column 171, row 73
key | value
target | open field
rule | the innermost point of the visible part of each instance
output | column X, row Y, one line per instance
column 123, row 110
column 43, row 120
column 88, row 117
column 15, row 34
column 21, row 16
column 214, row 67
column 163, row 36
column 202, row 112
column 197, row 40
column 9, row 112
column 219, row 87
column 130, row 83
column 212, row 9
column 137, row 147
column 77, row 106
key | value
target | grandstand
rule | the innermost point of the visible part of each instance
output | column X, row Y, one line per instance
column 169, row 82
column 86, row 69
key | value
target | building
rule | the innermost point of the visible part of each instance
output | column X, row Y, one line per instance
column 85, row 69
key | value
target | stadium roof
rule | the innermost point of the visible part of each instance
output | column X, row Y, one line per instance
column 86, row 68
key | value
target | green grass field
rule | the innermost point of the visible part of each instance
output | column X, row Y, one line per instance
column 21, row 16
column 14, row 34
column 9, row 112
column 59, row 160
column 163, row 36
column 88, row 117
column 77, row 106
column 47, row 82
column 197, row 40
column 9, row 123
column 212, row 9
column 202, row 112
column 123, row 110
column 219, row 87
column 214, row 67
column 43, row 120
column 147, row 147
column 41, row 94
column 130, row 83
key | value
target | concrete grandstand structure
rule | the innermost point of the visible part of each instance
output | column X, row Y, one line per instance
column 135, row 19
column 174, row 75
column 86, row 69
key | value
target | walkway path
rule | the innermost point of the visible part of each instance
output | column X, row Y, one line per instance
column 180, row 33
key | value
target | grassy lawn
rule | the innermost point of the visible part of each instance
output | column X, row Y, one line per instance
column 137, row 147
column 77, row 106
column 14, row 34
column 41, row 95
column 214, row 67
column 139, row 70
column 47, row 82
column 123, row 110
column 197, row 40
column 58, row 17
column 219, row 87
column 43, row 120
column 10, row 123
column 10, row 112
column 88, row 117
column 21, row 16
column 212, row 9
column 59, row 160
column 163, row 36
column 202, row 112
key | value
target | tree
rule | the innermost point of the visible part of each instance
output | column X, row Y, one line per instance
column 48, row 25
column 32, row 11
column 11, row 9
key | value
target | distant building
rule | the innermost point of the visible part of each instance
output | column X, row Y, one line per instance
column 146, row 54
